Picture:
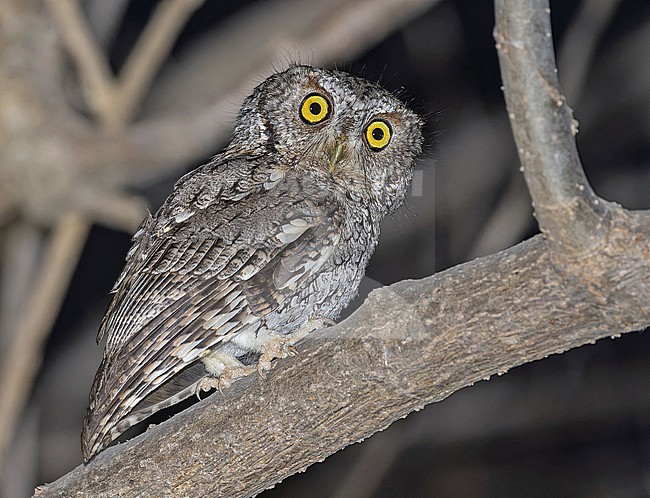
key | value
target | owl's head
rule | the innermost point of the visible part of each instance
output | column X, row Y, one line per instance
column 359, row 137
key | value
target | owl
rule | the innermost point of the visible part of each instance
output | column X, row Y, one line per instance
column 255, row 249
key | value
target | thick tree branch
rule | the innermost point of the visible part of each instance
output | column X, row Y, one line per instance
column 567, row 209
column 410, row 344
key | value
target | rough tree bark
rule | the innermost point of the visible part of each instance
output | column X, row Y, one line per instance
column 587, row 277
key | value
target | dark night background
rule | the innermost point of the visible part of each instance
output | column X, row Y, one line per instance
column 576, row 424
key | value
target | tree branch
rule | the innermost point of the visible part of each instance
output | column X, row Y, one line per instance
column 153, row 46
column 115, row 100
column 567, row 209
column 410, row 344
column 23, row 358
column 94, row 72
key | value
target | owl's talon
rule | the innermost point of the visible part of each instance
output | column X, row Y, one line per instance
column 283, row 346
column 263, row 366
column 224, row 381
column 205, row 384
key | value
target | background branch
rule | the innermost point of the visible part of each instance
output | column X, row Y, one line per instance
column 115, row 100
column 580, row 44
column 154, row 44
column 94, row 72
column 22, row 358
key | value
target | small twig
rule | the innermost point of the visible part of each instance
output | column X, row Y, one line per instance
column 567, row 209
column 23, row 359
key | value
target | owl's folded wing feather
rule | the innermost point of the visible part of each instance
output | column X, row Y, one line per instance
column 196, row 288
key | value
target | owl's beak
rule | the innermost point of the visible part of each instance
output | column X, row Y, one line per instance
column 336, row 153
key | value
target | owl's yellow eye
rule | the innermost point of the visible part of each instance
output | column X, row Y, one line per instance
column 314, row 109
column 378, row 134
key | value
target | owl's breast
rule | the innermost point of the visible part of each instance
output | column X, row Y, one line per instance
column 336, row 283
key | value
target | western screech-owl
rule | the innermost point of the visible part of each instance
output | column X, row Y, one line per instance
column 266, row 242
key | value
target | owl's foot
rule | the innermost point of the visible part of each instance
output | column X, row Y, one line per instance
column 228, row 374
column 278, row 347
column 283, row 346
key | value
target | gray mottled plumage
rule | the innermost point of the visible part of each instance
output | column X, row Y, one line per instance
column 266, row 242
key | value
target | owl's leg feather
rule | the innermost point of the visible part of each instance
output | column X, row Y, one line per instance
column 281, row 346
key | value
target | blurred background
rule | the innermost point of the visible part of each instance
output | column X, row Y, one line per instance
column 82, row 153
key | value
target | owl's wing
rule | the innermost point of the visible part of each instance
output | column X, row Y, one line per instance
column 197, row 287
